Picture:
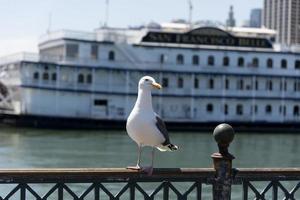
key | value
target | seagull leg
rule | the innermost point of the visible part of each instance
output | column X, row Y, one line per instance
column 137, row 167
column 149, row 170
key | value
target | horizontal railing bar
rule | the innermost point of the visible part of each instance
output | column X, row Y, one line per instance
column 88, row 175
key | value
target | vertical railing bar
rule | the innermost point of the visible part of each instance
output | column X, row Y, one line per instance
column 275, row 190
column 245, row 190
column 132, row 191
column 166, row 191
column 23, row 191
column 97, row 191
column 199, row 190
column 60, row 191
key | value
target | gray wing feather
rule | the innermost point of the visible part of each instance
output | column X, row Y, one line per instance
column 160, row 124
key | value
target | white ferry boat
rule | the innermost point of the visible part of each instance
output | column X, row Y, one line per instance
column 209, row 75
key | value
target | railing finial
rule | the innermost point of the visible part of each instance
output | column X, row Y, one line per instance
column 223, row 135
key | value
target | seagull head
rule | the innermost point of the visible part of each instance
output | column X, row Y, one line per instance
column 147, row 82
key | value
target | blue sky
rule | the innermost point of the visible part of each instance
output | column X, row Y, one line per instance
column 23, row 21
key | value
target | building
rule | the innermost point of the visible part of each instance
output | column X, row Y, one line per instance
column 283, row 16
column 230, row 22
column 256, row 18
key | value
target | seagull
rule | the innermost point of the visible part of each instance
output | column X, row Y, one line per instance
column 144, row 126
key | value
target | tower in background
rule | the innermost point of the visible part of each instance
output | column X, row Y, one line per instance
column 256, row 18
column 284, row 17
column 230, row 22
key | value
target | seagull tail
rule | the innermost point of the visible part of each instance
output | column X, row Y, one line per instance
column 168, row 147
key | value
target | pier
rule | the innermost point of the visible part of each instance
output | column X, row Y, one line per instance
column 219, row 182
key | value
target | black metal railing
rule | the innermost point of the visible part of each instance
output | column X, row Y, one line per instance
column 166, row 183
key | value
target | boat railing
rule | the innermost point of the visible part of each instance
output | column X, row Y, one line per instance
column 222, row 182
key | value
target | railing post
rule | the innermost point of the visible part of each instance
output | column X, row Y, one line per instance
column 223, row 135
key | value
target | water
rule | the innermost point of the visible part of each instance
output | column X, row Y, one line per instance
column 33, row 148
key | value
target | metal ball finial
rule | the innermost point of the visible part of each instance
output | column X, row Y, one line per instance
column 224, row 135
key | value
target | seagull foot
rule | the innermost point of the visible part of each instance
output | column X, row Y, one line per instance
column 137, row 167
column 148, row 170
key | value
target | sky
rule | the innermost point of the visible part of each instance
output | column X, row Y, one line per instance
column 22, row 22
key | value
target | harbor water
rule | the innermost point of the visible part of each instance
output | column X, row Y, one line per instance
column 35, row 148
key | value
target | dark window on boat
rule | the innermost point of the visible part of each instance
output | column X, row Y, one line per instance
column 180, row 82
column 284, row 110
column 296, row 110
column 211, row 61
column 100, row 102
column 36, row 75
column 297, row 64
column 195, row 60
column 45, row 76
column 111, row 55
column 239, row 109
column 283, row 63
column 268, row 109
column 89, row 78
column 255, row 62
column 255, row 109
column 240, row 84
column 226, row 84
column 226, row 61
column 269, row 85
column 80, row 78
column 196, row 83
column 72, row 50
column 209, row 108
column 165, row 82
column 226, row 109
column 256, row 85
column 94, row 51
column 270, row 63
column 53, row 77
column 162, row 58
column 241, row 62
column 211, row 83
column 180, row 59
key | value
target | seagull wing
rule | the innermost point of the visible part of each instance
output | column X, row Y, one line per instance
column 160, row 124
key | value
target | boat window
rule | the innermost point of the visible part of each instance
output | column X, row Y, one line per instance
column 36, row 76
column 180, row 83
column 240, row 84
column 165, row 82
column 80, row 78
column 226, row 84
column 209, row 108
column 297, row 64
column 162, row 58
column 195, row 60
column 53, row 77
column 100, row 102
column 111, row 55
column 196, row 83
column 226, row 109
column 45, row 76
column 72, row 50
column 269, row 85
column 180, row 59
column 255, row 62
column 296, row 110
column 211, row 83
column 268, row 109
column 283, row 63
column 211, row 61
column 94, row 51
column 241, row 62
column 256, row 85
column 255, row 108
column 226, row 61
column 239, row 109
column 270, row 63
column 89, row 78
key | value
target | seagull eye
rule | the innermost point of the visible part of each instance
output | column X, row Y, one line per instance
column 147, row 79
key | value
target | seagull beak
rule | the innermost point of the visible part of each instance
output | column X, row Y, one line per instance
column 156, row 85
